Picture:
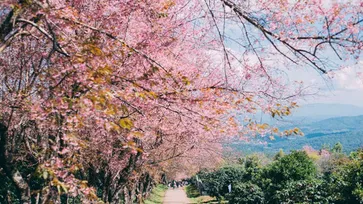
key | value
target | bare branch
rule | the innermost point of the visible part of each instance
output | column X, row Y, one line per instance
column 49, row 36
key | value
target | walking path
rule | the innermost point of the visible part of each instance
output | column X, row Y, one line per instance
column 176, row 196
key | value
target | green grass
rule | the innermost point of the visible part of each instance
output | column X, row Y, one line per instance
column 157, row 195
column 192, row 191
column 195, row 197
column 202, row 199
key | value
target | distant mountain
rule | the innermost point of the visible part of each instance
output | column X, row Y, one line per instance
column 350, row 140
column 347, row 129
column 324, row 111
column 331, row 125
column 310, row 113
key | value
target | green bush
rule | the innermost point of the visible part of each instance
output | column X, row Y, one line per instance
column 281, row 176
column 216, row 183
column 246, row 193
column 292, row 178
column 303, row 191
column 292, row 167
column 347, row 182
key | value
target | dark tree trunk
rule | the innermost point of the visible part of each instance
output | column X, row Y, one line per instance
column 10, row 170
column 127, row 198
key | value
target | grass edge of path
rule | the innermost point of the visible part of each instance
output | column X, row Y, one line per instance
column 194, row 195
column 157, row 195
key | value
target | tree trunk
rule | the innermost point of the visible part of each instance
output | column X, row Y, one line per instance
column 11, row 171
column 127, row 199
column 133, row 193
column 106, row 187
column 141, row 194
column 22, row 186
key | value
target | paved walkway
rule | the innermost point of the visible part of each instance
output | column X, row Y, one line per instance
column 176, row 196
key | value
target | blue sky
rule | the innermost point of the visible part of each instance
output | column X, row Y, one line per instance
column 343, row 86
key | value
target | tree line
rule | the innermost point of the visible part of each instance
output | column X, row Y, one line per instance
column 305, row 176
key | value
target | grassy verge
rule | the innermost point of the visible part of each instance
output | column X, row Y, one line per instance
column 195, row 197
column 157, row 195
column 192, row 191
column 202, row 199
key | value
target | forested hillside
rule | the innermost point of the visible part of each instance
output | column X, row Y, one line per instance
column 346, row 130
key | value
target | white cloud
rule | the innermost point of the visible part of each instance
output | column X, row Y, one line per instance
column 348, row 79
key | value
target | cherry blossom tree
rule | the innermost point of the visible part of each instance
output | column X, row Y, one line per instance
column 99, row 99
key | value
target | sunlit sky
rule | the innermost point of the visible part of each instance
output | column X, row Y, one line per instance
column 345, row 86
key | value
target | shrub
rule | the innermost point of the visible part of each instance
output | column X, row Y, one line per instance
column 217, row 182
column 279, row 177
column 303, row 191
column 246, row 193
column 292, row 167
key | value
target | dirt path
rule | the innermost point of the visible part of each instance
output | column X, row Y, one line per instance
column 176, row 196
